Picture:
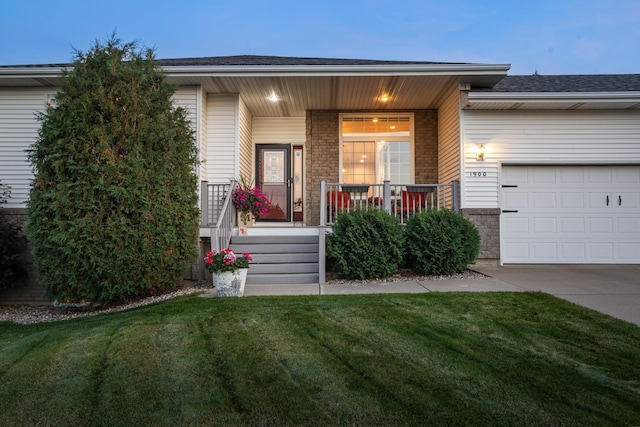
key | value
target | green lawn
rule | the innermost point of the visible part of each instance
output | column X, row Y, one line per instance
column 431, row 359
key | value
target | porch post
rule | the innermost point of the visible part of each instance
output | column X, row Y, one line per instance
column 204, row 203
column 455, row 194
column 386, row 195
column 323, row 203
column 322, row 265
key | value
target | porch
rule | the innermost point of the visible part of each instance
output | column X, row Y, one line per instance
column 294, row 253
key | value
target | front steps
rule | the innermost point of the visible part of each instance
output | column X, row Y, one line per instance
column 280, row 260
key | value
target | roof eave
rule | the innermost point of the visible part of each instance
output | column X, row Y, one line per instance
column 341, row 70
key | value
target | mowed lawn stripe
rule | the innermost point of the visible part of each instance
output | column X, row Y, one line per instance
column 485, row 359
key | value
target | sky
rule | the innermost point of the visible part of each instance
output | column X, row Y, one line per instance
column 544, row 36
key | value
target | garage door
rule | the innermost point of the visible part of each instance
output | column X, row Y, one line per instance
column 570, row 214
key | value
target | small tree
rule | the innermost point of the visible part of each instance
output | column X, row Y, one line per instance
column 113, row 211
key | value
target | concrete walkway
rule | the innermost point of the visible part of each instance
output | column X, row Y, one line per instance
column 609, row 289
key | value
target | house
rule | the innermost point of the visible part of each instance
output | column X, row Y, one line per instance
column 548, row 167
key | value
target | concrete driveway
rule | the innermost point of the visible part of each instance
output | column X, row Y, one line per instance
column 610, row 289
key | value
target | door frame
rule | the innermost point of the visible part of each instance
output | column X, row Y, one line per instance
column 288, row 176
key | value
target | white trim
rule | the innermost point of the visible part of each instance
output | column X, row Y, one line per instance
column 560, row 97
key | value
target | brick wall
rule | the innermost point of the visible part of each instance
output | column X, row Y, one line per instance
column 322, row 153
column 488, row 223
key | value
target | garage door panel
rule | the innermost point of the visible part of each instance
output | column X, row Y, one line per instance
column 571, row 214
column 599, row 175
column 545, row 225
column 627, row 200
column 629, row 227
column 572, row 225
column 572, row 200
column 513, row 201
column 602, row 225
column 545, row 251
column 546, row 200
column 574, row 251
column 601, row 251
column 628, row 176
column 629, row 251
column 599, row 200
column 517, row 226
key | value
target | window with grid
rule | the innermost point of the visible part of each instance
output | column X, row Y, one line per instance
column 377, row 148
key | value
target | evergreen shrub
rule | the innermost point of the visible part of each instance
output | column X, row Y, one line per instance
column 365, row 244
column 441, row 242
column 13, row 244
column 113, row 213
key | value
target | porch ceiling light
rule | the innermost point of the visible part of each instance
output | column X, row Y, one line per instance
column 384, row 98
column 480, row 153
column 273, row 97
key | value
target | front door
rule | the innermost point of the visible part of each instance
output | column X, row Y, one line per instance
column 273, row 173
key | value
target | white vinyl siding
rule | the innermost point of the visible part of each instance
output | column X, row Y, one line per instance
column 542, row 137
column 449, row 138
column 279, row 130
column 187, row 98
column 202, row 137
column 18, row 132
column 245, row 143
column 222, row 119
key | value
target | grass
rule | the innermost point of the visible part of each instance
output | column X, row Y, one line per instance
column 494, row 359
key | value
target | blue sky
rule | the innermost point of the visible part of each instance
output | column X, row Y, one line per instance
column 548, row 36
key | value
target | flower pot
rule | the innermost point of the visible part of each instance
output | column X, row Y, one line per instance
column 230, row 283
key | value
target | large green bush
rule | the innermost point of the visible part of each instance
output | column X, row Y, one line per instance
column 12, row 246
column 365, row 244
column 113, row 211
column 441, row 242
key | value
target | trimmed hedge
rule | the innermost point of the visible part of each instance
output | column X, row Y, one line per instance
column 441, row 242
column 365, row 244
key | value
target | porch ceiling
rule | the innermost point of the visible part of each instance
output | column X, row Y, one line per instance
column 300, row 93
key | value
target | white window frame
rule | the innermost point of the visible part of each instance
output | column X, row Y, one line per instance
column 380, row 114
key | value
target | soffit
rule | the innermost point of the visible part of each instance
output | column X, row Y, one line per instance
column 300, row 93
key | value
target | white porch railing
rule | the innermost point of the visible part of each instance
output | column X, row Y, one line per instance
column 399, row 200
column 217, row 212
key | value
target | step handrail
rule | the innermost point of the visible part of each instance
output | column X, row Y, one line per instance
column 221, row 233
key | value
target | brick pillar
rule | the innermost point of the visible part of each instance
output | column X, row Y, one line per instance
column 426, row 146
column 322, row 158
column 488, row 223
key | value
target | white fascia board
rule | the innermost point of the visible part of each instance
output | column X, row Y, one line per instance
column 32, row 72
column 351, row 70
column 560, row 97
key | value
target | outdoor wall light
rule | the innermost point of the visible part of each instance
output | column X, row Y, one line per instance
column 480, row 153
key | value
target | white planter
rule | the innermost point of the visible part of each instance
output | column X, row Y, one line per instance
column 230, row 283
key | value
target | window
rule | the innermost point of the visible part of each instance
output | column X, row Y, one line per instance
column 376, row 148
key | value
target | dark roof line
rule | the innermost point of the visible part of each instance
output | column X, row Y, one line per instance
column 570, row 83
column 256, row 60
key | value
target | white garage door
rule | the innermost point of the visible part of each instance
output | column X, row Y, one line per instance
column 570, row 214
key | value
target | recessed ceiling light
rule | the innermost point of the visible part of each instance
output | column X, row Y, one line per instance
column 273, row 97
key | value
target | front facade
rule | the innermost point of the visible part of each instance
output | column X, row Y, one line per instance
column 548, row 166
